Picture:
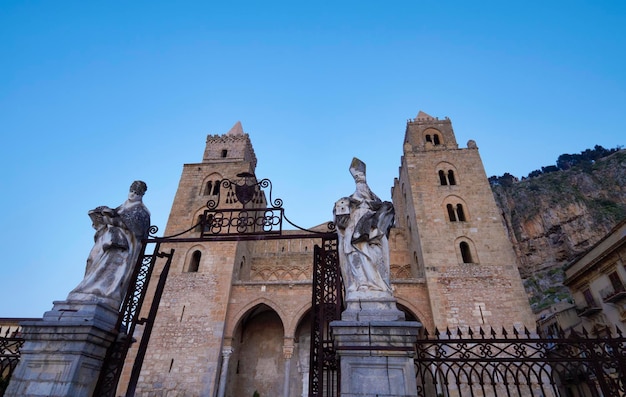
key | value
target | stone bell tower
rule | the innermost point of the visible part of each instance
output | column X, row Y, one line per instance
column 456, row 235
column 185, row 348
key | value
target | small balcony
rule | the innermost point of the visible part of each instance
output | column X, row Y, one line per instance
column 614, row 296
column 588, row 311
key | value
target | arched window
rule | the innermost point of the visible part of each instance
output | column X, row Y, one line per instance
column 212, row 187
column 436, row 139
column 465, row 252
column 451, row 214
column 429, row 139
column 460, row 215
column 194, row 263
column 451, row 179
column 456, row 213
column 442, row 178
column 446, row 177
column 224, row 153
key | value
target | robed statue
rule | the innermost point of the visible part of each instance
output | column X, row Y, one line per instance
column 363, row 222
column 117, row 245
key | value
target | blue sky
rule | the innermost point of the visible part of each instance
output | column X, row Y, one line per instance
column 94, row 95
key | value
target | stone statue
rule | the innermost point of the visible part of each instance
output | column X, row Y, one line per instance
column 117, row 246
column 363, row 222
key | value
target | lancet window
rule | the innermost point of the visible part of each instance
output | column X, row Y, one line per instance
column 194, row 263
column 447, row 178
column 466, row 253
column 456, row 213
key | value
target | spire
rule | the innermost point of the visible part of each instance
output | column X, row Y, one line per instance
column 422, row 115
column 236, row 130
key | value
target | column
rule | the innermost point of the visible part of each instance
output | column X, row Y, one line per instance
column 287, row 354
column 226, row 353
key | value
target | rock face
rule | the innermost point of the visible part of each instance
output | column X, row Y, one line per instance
column 554, row 217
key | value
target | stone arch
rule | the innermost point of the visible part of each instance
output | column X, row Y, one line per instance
column 211, row 184
column 447, row 174
column 433, row 136
column 466, row 250
column 189, row 258
column 291, row 324
column 234, row 321
column 455, row 209
column 408, row 307
column 257, row 353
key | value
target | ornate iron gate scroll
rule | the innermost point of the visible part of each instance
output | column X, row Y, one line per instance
column 324, row 375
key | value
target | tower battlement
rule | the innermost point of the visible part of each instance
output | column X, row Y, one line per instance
column 235, row 145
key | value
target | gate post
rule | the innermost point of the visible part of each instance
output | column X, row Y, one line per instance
column 63, row 354
column 376, row 357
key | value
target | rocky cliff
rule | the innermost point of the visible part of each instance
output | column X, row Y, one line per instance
column 554, row 217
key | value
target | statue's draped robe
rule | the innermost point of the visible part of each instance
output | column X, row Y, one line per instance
column 113, row 256
column 363, row 244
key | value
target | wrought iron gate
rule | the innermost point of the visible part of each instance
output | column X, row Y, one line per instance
column 129, row 318
column 324, row 375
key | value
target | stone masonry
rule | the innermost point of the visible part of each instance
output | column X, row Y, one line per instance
column 234, row 316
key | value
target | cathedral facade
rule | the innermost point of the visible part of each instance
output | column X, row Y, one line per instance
column 235, row 316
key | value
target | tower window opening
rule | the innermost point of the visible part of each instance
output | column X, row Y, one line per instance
column 459, row 213
column 224, row 153
column 451, row 214
column 429, row 139
column 451, row 179
column 194, row 264
column 436, row 139
column 212, row 188
column 465, row 252
column 216, row 188
column 442, row 178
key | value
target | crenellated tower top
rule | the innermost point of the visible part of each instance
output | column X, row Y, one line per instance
column 235, row 145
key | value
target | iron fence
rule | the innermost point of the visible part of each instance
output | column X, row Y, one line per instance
column 10, row 344
column 490, row 363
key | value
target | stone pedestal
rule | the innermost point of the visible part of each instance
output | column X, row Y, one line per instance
column 63, row 354
column 363, row 310
column 376, row 357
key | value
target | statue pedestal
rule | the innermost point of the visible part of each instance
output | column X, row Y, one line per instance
column 381, row 309
column 63, row 354
column 376, row 357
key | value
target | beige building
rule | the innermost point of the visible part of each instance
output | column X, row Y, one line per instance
column 596, row 280
column 234, row 317
column 558, row 319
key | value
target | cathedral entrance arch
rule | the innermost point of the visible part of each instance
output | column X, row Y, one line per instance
column 257, row 356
